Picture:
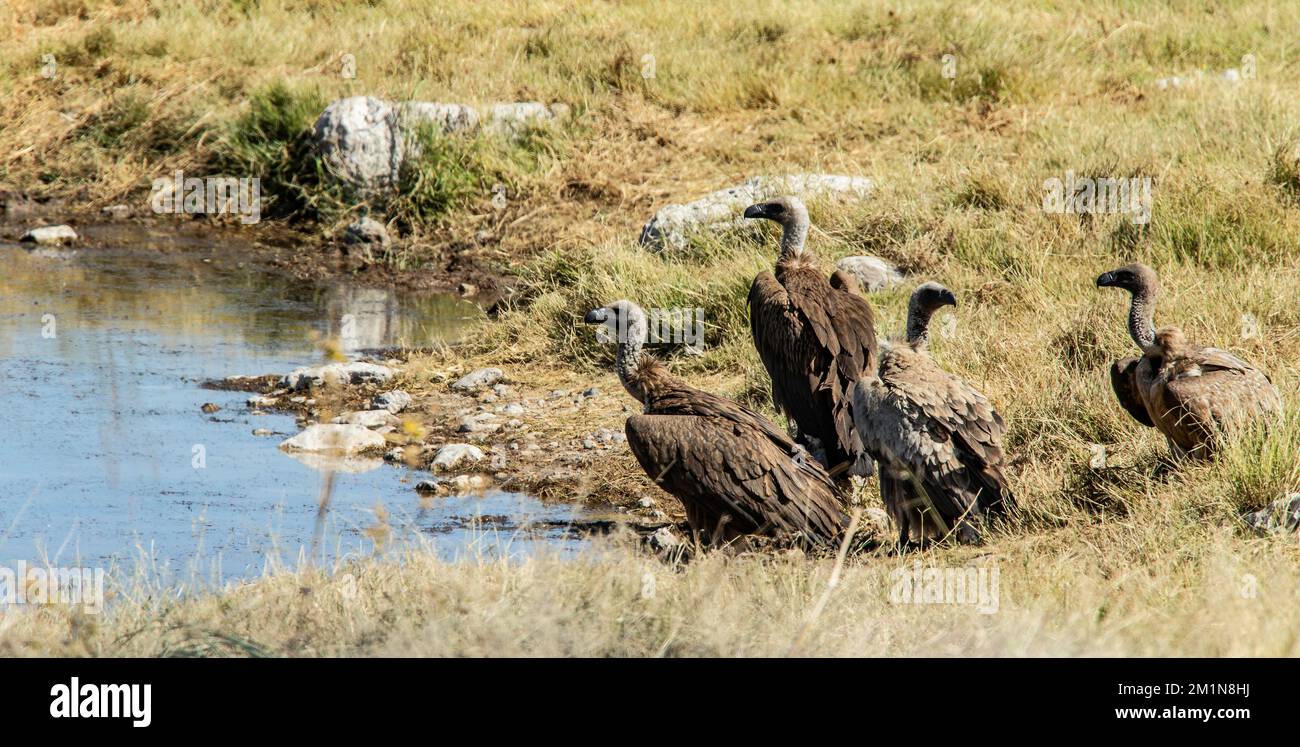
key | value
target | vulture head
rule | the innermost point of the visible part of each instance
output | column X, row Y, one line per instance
column 624, row 323
column 623, row 320
column 791, row 214
column 931, row 297
column 926, row 299
column 1136, row 278
column 1140, row 281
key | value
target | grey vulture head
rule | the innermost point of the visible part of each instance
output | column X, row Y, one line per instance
column 623, row 320
column 926, row 299
column 791, row 214
column 1141, row 283
column 623, row 323
column 1135, row 278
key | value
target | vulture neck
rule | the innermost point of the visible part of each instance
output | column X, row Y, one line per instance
column 794, row 232
column 1141, row 318
column 918, row 325
column 627, row 365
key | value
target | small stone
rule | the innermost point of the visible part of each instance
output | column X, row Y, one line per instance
column 646, row 503
column 395, row 455
column 394, row 401
column 117, row 212
column 346, row 439
column 263, row 432
column 210, row 407
column 467, row 289
column 367, row 232
column 591, row 391
column 501, row 390
column 477, row 379
column 337, row 373
column 872, row 273
column 427, row 486
column 588, row 443
column 452, row 456
column 514, row 424
column 61, row 235
column 664, row 539
column 513, row 408
column 367, row 418
column 1280, row 517
column 259, row 400
column 469, row 483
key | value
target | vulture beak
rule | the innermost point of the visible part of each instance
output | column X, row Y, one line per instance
column 756, row 211
column 596, row 316
column 948, row 298
column 1106, row 280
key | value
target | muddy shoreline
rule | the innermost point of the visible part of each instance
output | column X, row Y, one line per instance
column 302, row 253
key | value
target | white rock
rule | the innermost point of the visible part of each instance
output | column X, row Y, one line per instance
column 367, row 418
column 872, row 273
column 334, row 438
column 363, row 140
column 367, row 231
column 337, row 373
column 261, row 400
column 1282, row 516
column 469, row 483
column 477, row 379
column 394, row 401
column 674, row 225
column 452, row 456
column 664, row 539
column 514, row 119
column 50, row 235
column 360, row 143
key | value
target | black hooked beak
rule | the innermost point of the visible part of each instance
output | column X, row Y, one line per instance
column 948, row 298
column 596, row 316
column 758, row 211
column 1106, row 280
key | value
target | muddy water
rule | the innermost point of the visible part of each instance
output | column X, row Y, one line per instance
column 106, row 457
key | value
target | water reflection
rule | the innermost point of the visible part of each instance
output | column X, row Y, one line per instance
column 106, row 453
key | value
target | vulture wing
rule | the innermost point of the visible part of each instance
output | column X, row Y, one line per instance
column 1207, row 391
column 815, row 340
column 939, row 439
column 733, row 479
column 1123, row 381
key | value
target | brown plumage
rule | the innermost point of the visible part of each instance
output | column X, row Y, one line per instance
column 937, row 441
column 1191, row 395
column 815, row 337
column 735, row 472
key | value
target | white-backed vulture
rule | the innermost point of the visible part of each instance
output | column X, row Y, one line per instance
column 815, row 337
column 735, row 472
column 936, row 440
column 1191, row 395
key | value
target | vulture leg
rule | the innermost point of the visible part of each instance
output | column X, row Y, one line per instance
column 1123, row 379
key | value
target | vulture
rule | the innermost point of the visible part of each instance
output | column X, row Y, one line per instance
column 1192, row 395
column 936, row 440
column 815, row 337
column 735, row 472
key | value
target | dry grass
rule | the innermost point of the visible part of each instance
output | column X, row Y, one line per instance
column 1104, row 592
column 1138, row 558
